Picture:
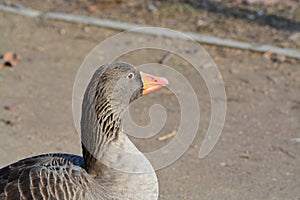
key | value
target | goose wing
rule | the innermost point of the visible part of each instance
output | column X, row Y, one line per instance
column 49, row 176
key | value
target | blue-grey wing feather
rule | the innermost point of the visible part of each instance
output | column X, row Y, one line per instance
column 49, row 176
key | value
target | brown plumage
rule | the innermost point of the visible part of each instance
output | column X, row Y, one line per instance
column 102, row 172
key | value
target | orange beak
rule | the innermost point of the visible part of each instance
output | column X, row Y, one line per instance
column 152, row 83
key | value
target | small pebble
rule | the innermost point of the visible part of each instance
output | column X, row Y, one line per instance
column 152, row 8
column 62, row 31
column 288, row 174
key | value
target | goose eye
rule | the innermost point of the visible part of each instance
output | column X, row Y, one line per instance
column 130, row 75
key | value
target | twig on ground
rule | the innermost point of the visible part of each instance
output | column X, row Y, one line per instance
column 165, row 58
column 167, row 136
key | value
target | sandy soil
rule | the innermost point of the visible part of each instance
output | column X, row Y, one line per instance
column 255, row 158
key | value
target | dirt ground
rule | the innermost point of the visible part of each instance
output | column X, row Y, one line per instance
column 256, row 157
column 272, row 22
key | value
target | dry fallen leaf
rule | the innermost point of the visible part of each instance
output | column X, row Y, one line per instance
column 9, row 59
column 268, row 55
column 13, row 107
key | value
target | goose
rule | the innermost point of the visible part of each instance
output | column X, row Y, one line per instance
column 107, row 169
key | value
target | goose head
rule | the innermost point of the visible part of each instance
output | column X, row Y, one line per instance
column 122, row 83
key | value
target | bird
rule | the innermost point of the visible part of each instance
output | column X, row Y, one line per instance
column 111, row 166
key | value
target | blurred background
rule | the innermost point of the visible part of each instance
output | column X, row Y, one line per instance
column 260, row 21
column 257, row 155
